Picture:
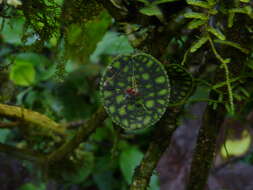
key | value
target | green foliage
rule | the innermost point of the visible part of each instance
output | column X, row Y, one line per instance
column 22, row 73
column 78, row 43
column 198, row 44
column 43, row 41
column 30, row 186
column 12, row 30
column 129, row 160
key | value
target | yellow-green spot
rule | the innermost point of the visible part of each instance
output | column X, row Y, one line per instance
column 155, row 116
column 110, row 82
column 122, row 111
column 152, row 94
column 117, row 118
column 148, row 86
column 139, row 118
column 162, row 92
column 125, row 58
column 125, row 122
column 187, row 82
column 150, row 63
column 160, row 101
column 160, row 79
column 119, row 99
column 183, row 93
column 112, row 109
column 130, row 107
column 133, row 125
column 145, row 76
column 138, row 125
column 117, row 64
column 126, row 69
column 150, row 103
column 160, row 110
column 146, row 120
column 121, row 84
column 107, row 94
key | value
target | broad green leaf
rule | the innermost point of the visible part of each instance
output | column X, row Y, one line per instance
column 154, row 183
column 81, row 40
column 237, row 147
column 22, row 73
column 44, row 67
column 112, row 44
column 199, row 44
column 129, row 160
column 12, row 30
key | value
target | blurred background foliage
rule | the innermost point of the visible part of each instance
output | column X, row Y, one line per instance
column 52, row 53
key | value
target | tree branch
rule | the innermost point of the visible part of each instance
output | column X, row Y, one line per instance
column 83, row 133
column 206, row 145
column 32, row 117
column 7, row 125
column 164, row 130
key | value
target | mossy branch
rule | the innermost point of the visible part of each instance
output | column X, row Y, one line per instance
column 206, row 146
column 162, row 137
column 82, row 134
column 41, row 120
column 29, row 116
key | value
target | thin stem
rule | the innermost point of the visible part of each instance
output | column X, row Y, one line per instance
column 81, row 135
column 224, row 63
column 23, row 154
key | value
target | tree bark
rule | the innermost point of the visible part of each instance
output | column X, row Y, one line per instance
column 205, row 150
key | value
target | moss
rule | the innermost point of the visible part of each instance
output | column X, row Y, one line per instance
column 42, row 19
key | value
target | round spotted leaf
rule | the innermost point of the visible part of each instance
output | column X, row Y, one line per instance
column 135, row 90
column 181, row 84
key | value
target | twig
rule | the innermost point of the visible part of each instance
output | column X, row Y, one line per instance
column 83, row 133
column 74, row 124
column 4, row 125
column 23, row 154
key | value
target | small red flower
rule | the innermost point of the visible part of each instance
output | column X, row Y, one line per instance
column 132, row 91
